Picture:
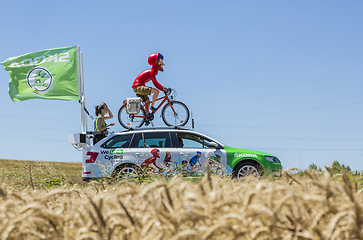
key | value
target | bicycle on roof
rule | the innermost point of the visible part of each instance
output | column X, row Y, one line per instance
column 173, row 113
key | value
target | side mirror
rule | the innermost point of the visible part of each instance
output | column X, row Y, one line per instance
column 213, row 145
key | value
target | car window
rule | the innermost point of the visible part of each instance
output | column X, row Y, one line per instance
column 119, row 141
column 157, row 139
column 187, row 140
column 153, row 140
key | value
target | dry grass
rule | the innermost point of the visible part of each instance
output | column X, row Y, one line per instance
column 213, row 208
column 16, row 173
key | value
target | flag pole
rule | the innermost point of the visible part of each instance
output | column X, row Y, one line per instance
column 82, row 99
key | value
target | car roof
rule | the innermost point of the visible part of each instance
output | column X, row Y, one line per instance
column 162, row 129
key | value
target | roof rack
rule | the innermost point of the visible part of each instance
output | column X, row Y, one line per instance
column 157, row 128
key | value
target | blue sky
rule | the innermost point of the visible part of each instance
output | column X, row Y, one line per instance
column 283, row 77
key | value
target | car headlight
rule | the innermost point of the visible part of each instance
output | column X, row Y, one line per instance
column 272, row 159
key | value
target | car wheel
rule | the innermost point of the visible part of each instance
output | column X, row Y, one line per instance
column 247, row 168
column 126, row 171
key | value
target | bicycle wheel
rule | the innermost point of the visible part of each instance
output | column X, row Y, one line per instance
column 125, row 119
column 181, row 116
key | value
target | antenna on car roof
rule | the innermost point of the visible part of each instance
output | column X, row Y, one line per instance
column 192, row 120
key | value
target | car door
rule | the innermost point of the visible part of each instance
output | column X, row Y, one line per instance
column 194, row 145
column 114, row 152
column 143, row 143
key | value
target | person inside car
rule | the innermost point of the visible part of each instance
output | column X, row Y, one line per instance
column 142, row 91
column 181, row 144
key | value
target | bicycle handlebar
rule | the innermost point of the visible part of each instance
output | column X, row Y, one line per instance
column 168, row 91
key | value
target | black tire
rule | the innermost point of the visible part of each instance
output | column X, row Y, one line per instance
column 182, row 114
column 125, row 120
column 126, row 171
column 247, row 168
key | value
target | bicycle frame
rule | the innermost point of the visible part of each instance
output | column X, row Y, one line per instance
column 173, row 113
column 165, row 98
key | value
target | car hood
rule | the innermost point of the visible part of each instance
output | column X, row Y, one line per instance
column 232, row 150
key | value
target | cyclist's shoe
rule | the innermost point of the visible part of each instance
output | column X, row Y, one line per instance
column 153, row 109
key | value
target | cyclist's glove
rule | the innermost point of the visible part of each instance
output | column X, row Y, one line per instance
column 167, row 91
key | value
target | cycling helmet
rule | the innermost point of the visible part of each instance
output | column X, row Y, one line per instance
column 153, row 58
column 154, row 151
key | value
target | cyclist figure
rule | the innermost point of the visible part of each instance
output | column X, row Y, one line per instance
column 184, row 166
column 194, row 160
column 145, row 165
column 215, row 162
column 142, row 91
column 167, row 159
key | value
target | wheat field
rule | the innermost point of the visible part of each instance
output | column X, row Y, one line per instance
column 212, row 208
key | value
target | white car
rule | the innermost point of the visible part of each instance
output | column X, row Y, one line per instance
column 179, row 150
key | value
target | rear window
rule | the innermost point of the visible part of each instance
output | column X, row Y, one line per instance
column 119, row 141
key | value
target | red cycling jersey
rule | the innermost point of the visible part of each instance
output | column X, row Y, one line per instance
column 151, row 160
column 149, row 74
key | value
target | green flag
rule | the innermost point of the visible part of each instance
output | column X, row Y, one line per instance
column 47, row 74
